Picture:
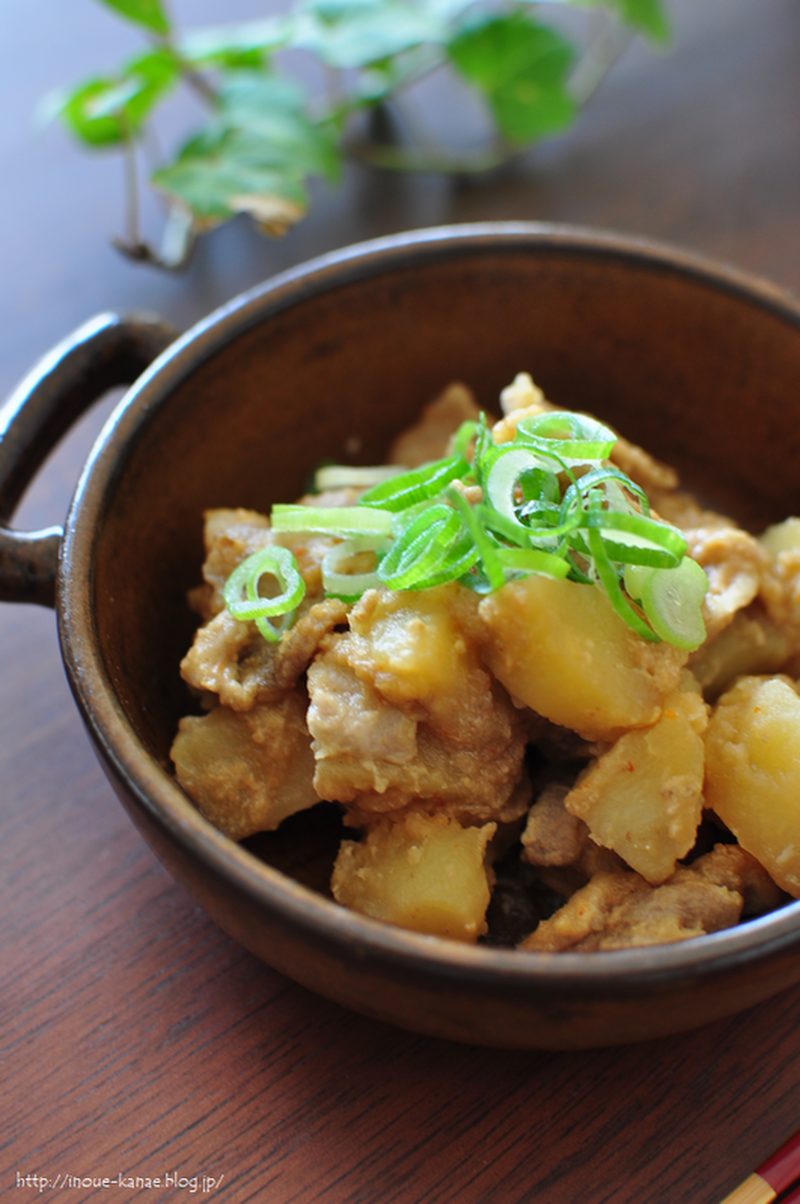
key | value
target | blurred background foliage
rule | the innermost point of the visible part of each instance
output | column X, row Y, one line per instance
column 268, row 131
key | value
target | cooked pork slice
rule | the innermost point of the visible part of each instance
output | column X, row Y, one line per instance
column 585, row 917
column 682, row 510
column 233, row 535
column 732, row 866
column 429, row 438
column 552, row 836
column 672, row 912
column 616, row 911
column 524, row 399
column 402, row 710
column 736, row 566
column 621, row 910
column 230, row 536
column 247, row 771
column 232, row 659
column 350, row 720
column 648, row 472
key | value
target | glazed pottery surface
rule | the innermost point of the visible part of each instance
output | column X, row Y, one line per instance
column 694, row 361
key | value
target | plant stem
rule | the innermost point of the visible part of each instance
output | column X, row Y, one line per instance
column 190, row 75
column 131, row 193
column 600, row 56
column 198, row 83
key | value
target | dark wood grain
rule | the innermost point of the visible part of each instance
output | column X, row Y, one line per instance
column 136, row 1038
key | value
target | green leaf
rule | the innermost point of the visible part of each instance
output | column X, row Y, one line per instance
column 216, row 187
column 521, row 67
column 148, row 13
column 646, row 16
column 269, row 111
column 359, row 33
column 245, row 44
column 254, row 158
column 105, row 112
column 77, row 112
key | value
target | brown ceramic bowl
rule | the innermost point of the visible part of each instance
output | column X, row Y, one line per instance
column 696, row 362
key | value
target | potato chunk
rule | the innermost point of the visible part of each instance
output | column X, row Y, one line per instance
column 420, row 647
column 247, row 770
column 753, row 772
column 560, row 648
column 643, row 798
column 423, row 872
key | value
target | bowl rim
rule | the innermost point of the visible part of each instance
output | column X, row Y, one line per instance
column 345, row 932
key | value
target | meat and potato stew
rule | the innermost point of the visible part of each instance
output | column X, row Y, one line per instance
column 551, row 700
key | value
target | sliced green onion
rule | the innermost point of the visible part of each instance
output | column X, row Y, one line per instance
column 575, row 437
column 415, row 486
column 610, row 582
column 634, row 539
column 276, row 562
column 540, row 487
column 576, row 573
column 672, row 600
column 434, row 549
column 501, row 481
column 331, row 520
column 532, row 560
column 634, row 577
column 544, row 525
column 484, row 447
column 609, row 477
column 569, row 518
column 509, row 529
column 464, row 436
column 341, row 476
column 487, row 550
column 351, row 585
column 536, row 516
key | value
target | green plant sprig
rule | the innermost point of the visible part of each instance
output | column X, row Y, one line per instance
column 265, row 138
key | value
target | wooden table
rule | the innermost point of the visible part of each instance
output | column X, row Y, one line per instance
column 138, row 1040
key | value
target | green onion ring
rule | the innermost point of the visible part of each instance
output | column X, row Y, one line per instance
column 672, row 600
column 351, row 585
column 341, row 476
column 601, row 476
column 502, row 478
column 486, row 548
column 586, row 438
column 331, row 520
column 610, row 583
column 434, row 549
column 464, row 436
column 415, row 486
column 652, row 543
column 510, row 530
column 532, row 560
column 277, row 562
column 536, row 515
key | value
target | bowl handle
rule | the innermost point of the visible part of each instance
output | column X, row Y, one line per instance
column 105, row 352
